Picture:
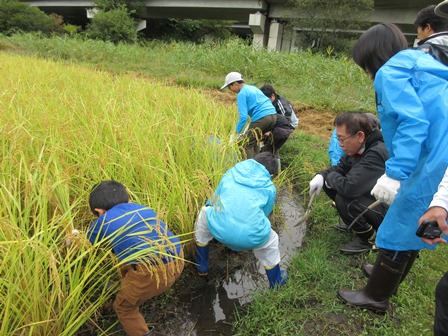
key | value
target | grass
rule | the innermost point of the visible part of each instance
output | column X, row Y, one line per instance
column 65, row 127
column 331, row 83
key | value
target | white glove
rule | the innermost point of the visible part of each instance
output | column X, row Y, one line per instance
column 316, row 184
column 71, row 237
column 385, row 189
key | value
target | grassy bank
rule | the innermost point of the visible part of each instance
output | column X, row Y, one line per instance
column 331, row 83
column 67, row 126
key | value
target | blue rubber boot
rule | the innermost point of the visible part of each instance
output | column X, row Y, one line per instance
column 201, row 259
column 276, row 277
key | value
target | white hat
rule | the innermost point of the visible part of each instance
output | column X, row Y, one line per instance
column 231, row 78
column 442, row 9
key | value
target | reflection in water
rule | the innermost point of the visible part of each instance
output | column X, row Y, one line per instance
column 209, row 309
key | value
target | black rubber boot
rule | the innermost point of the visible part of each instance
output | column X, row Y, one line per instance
column 367, row 268
column 364, row 242
column 383, row 281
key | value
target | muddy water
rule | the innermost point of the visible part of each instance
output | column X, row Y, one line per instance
column 208, row 307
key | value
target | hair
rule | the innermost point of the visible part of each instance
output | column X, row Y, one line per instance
column 268, row 90
column 374, row 121
column 107, row 194
column 427, row 16
column 268, row 160
column 377, row 45
column 354, row 122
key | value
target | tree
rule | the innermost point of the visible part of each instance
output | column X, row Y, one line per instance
column 114, row 21
column 331, row 24
column 115, row 25
column 16, row 15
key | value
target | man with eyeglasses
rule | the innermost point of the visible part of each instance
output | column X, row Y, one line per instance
column 349, row 182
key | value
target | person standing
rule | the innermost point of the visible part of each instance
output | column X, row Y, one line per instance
column 414, row 121
column 254, row 104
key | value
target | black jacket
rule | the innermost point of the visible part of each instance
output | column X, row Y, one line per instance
column 356, row 175
column 437, row 46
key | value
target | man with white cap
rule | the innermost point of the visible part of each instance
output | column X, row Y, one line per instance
column 254, row 104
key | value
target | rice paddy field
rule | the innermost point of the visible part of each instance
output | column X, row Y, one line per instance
column 64, row 128
column 75, row 112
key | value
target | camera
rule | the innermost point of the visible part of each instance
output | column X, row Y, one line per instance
column 429, row 230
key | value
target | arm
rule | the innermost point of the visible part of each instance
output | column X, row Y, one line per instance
column 267, row 209
column 438, row 210
column 361, row 178
column 242, row 111
column 404, row 121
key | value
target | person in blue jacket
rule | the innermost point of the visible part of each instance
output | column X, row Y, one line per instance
column 150, row 255
column 335, row 151
column 237, row 216
column 412, row 101
column 254, row 104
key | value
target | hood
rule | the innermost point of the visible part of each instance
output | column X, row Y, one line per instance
column 251, row 173
column 374, row 137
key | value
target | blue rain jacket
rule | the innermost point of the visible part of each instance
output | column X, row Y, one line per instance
column 238, row 215
column 252, row 103
column 130, row 228
column 335, row 151
column 412, row 103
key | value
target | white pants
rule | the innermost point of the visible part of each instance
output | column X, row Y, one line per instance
column 268, row 254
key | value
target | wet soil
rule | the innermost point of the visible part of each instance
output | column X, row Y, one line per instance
column 206, row 306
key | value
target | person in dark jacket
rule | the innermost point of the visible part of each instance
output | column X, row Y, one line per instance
column 349, row 182
column 432, row 32
column 281, row 104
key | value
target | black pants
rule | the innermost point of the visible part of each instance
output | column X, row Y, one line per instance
column 441, row 317
column 349, row 208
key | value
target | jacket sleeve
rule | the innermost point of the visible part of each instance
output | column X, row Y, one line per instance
column 403, row 119
column 361, row 178
column 242, row 111
column 441, row 196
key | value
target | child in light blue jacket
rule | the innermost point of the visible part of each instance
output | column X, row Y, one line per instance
column 237, row 216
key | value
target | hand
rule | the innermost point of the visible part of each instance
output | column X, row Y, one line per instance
column 438, row 214
column 72, row 236
column 316, row 184
column 385, row 189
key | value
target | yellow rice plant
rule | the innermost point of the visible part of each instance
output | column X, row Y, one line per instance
column 63, row 129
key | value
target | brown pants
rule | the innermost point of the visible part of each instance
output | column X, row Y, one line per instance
column 255, row 133
column 139, row 285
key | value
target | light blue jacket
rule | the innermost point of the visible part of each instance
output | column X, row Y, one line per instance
column 335, row 151
column 252, row 103
column 238, row 215
column 412, row 103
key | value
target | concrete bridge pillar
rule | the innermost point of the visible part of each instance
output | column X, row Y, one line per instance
column 275, row 36
column 257, row 23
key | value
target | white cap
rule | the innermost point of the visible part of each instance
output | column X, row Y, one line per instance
column 442, row 9
column 231, row 78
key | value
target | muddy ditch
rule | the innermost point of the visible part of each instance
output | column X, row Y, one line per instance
column 202, row 307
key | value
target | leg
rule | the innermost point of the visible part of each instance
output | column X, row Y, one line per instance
column 365, row 227
column 255, row 133
column 384, row 280
column 441, row 316
column 140, row 285
column 269, row 257
column 202, row 236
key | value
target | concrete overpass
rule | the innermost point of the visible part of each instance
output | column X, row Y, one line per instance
column 263, row 18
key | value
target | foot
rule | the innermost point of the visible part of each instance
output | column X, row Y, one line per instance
column 357, row 246
column 361, row 300
column 341, row 227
